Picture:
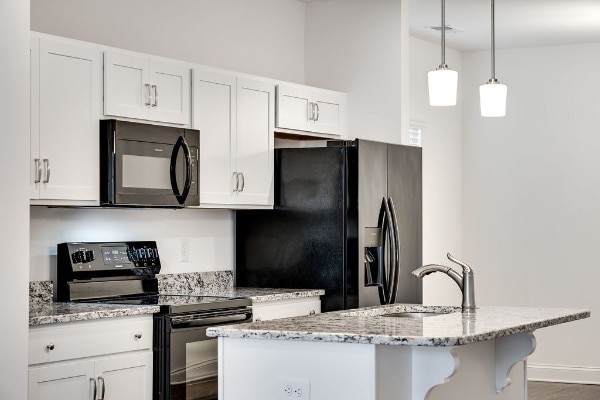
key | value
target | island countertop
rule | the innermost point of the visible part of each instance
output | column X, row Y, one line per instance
column 371, row 326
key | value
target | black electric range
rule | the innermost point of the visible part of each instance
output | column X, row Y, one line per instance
column 185, row 359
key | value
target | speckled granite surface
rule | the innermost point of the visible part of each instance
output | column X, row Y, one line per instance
column 41, row 314
column 262, row 295
column 220, row 283
column 40, row 292
column 369, row 326
column 204, row 283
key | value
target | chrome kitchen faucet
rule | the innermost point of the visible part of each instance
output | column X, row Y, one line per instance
column 465, row 281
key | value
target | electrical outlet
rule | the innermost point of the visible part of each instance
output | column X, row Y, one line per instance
column 185, row 250
column 293, row 389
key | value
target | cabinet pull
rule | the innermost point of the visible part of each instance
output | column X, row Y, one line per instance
column 155, row 88
column 94, row 388
column 149, row 93
column 38, row 170
column 318, row 111
column 102, row 388
column 243, row 182
column 311, row 111
column 138, row 335
column 50, row 347
column 47, row 168
column 237, row 181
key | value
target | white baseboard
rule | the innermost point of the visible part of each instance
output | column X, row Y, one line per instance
column 562, row 373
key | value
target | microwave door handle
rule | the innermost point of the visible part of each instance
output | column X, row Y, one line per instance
column 181, row 143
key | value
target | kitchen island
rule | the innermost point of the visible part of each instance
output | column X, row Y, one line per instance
column 369, row 354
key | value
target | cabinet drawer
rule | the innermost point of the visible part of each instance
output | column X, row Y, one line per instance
column 286, row 308
column 74, row 340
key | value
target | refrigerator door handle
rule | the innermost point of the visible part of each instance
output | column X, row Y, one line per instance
column 386, row 223
column 395, row 274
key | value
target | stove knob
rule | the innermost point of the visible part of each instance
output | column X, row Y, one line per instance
column 78, row 257
column 89, row 256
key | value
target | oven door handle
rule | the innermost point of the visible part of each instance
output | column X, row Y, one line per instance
column 185, row 321
column 181, row 143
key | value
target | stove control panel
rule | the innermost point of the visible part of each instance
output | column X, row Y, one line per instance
column 108, row 256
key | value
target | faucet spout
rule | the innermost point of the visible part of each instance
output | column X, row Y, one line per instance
column 465, row 281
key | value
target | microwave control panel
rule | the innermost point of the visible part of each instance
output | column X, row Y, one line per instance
column 107, row 256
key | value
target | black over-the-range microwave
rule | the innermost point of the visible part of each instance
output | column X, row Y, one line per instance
column 144, row 165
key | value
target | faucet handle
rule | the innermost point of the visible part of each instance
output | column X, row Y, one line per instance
column 466, row 268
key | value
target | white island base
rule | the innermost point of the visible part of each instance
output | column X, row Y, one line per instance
column 259, row 369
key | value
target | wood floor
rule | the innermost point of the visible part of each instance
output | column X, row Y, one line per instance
column 563, row 391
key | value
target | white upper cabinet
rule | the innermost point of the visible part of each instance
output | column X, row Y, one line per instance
column 65, row 84
column 255, row 139
column 235, row 117
column 147, row 89
column 214, row 115
column 303, row 108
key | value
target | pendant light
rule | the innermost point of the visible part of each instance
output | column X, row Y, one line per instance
column 492, row 95
column 443, row 82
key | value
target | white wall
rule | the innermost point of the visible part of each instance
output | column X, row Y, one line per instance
column 442, row 170
column 14, row 171
column 209, row 232
column 531, row 198
column 354, row 46
column 262, row 37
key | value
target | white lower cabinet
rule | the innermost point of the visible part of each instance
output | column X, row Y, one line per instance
column 286, row 308
column 103, row 359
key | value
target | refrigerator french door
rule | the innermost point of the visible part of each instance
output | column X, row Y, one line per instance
column 347, row 219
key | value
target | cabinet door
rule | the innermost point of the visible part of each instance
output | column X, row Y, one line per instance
column 214, row 115
column 293, row 108
column 127, row 91
column 255, row 137
column 170, row 92
column 285, row 309
column 64, row 381
column 126, row 377
column 330, row 115
column 67, row 120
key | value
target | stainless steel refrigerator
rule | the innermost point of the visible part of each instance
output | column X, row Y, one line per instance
column 347, row 219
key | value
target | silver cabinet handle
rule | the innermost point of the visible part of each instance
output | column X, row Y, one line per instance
column 138, row 335
column 94, row 388
column 236, row 185
column 38, row 170
column 311, row 111
column 102, row 388
column 155, row 88
column 243, row 182
column 50, row 347
column 149, row 93
column 47, row 168
column 318, row 111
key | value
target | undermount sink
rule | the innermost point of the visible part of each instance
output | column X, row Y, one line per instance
column 415, row 314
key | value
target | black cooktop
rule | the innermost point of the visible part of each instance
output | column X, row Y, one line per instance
column 177, row 303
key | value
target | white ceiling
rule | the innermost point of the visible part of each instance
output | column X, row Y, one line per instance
column 519, row 23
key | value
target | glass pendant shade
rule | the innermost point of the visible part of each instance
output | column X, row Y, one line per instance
column 492, row 98
column 443, row 85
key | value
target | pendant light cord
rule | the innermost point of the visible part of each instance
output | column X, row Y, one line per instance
column 493, row 43
column 443, row 33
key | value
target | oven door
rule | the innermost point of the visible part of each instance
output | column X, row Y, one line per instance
column 193, row 357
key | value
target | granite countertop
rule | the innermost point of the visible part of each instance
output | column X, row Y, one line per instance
column 262, row 295
column 47, row 312
column 52, row 313
column 369, row 326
